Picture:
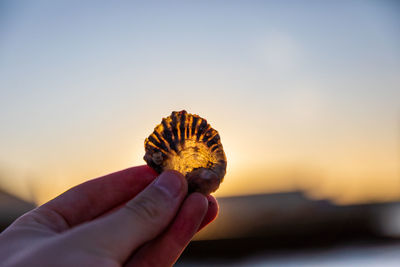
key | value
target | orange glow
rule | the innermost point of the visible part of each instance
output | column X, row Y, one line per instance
column 300, row 102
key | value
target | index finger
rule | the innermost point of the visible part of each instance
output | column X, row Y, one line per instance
column 93, row 198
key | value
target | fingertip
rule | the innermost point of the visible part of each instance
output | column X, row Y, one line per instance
column 201, row 201
column 190, row 216
column 167, row 247
column 212, row 212
column 175, row 173
column 137, row 176
column 143, row 171
column 173, row 182
column 213, row 203
column 146, row 169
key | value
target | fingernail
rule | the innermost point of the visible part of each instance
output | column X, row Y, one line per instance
column 170, row 182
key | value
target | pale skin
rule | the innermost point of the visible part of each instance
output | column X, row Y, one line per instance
column 133, row 217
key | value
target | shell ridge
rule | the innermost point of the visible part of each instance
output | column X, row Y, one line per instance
column 158, row 144
column 208, row 133
column 194, row 125
column 214, row 140
column 155, row 147
column 174, row 129
column 182, row 126
column 200, row 129
column 167, row 133
column 162, row 139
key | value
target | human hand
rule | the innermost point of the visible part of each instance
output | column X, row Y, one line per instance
column 121, row 219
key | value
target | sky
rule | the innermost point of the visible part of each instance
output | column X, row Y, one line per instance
column 305, row 94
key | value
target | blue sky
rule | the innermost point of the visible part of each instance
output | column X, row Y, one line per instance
column 296, row 89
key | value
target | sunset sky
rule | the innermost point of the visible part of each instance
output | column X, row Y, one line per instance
column 305, row 94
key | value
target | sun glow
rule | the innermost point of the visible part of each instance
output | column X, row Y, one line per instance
column 299, row 102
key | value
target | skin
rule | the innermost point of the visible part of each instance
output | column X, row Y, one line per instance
column 127, row 218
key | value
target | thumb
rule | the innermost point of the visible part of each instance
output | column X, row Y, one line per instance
column 140, row 220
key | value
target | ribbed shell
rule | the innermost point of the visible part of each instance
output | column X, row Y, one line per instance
column 187, row 143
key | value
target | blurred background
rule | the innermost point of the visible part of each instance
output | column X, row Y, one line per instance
column 305, row 96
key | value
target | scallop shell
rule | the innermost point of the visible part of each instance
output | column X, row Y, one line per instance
column 186, row 143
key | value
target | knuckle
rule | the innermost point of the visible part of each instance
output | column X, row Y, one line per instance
column 146, row 207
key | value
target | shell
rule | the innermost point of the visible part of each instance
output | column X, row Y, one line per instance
column 186, row 143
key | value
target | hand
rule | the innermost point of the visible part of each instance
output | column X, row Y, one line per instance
column 129, row 218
